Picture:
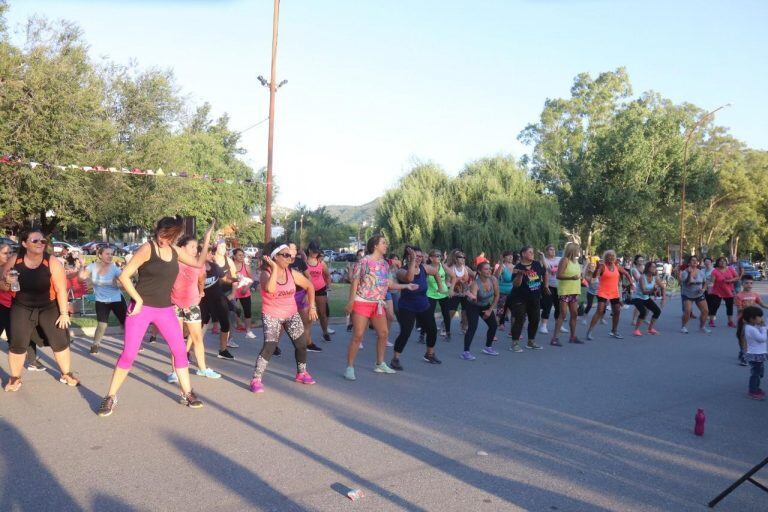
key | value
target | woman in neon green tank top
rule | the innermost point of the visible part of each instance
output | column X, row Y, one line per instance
column 568, row 290
column 437, row 296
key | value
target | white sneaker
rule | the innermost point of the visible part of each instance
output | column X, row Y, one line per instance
column 584, row 322
column 705, row 330
column 361, row 346
column 390, row 344
column 625, row 306
column 564, row 329
column 331, row 331
column 543, row 329
column 232, row 344
column 250, row 335
column 589, row 336
column 604, row 321
column 684, row 330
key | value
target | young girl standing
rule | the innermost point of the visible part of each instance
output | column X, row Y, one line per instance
column 756, row 336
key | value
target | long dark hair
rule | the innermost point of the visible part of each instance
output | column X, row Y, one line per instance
column 169, row 227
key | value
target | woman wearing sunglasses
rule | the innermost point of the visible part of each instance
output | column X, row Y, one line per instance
column 279, row 311
column 39, row 304
column 460, row 277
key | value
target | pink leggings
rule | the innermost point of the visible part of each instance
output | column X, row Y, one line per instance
column 166, row 322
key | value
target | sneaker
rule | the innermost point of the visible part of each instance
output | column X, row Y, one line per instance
column 432, row 359
column 742, row 361
column 232, row 344
column 330, row 331
column 653, row 331
column 349, row 373
column 584, row 322
column 240, row 328
column 706, row 330
column 422, row 338
column 313, row 348
column 443, row 333
column 731, row 324
column 383, row 368
column 589, row 336
column 711, row 323
column 304, row 378
column 277, row 352
column 327, row 337
column 69, row 379
column 509, row 335
column 637, row 332
column 250, row 335
column 256, row 386
column 395, row 364
column 95, row 348
column 615, row 335
column 349, row 328
column 390, row 344
column 467, row 356
column 532, row 345
column 172, row 378
column 555, row 342
column 490, row 351
column 756, row 396
column 564, row 329
column 543, row 329
column 360, row 346
column 575, row 341
column 625, row 306
column 36, row 366
column 190, row 400
column 153, row 339
column 684, row 330
column 107, row 406
column 515, row 347
column 224, row 354
column 604, row 321
column 208, row 373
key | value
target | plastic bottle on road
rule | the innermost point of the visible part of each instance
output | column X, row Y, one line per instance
column 700, row 420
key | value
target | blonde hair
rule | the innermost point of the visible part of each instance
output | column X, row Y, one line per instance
column 571, row 251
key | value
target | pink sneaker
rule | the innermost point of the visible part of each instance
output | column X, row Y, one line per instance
column 637, row 332
column 653, row 331
column 257, row 386
column 304, row 378
column 711, row 323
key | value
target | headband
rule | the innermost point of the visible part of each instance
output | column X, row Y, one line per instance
column 277, row 250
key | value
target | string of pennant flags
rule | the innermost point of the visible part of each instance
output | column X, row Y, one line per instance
column 12, row 160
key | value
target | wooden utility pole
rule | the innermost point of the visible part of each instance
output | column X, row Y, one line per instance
column 272, row 90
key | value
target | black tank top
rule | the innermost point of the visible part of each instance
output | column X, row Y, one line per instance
column 36, row 287
column 213, row 286
column 156, row 278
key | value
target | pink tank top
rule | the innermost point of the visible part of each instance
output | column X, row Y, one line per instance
column 185, row 291
column 316, row 275
column 242, row 292
column 281, row 303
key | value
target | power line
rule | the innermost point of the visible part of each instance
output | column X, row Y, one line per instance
column 255, row 125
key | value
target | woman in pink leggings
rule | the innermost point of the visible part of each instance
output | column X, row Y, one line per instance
column 157, row 265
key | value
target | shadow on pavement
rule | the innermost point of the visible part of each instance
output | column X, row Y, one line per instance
column 104, row 503
column 236, row 477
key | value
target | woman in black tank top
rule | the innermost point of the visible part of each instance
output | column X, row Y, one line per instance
column 157, row 265
column 40, row 304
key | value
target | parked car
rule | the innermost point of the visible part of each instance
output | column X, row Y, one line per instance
column 14, row 245
column 131, row 248
column 58, row 246
column 345, row 256
column 93, row 247
column 251, row 251
column 750, row 270
column 88, row 247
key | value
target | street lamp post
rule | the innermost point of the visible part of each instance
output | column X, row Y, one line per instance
column 301, row 231
column 688, row 138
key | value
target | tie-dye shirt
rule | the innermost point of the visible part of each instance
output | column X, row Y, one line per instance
column 533, row 280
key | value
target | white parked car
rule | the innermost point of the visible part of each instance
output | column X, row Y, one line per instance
column 251, row 251
column 58, row 246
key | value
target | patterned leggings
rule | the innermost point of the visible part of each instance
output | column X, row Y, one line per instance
column 272, row 326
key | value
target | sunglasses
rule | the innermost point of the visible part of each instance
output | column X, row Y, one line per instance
column 461, row 257
column 287, row 255
column 38, row 241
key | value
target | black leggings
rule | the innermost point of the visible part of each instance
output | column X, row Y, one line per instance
column 407, row 318
column 104, row 308
column 590, row 300
column 444, row 310
column 717, row 300
column 5, row 327
column 643, row 305
column 216, row 308
column 27, row 323
column 548, row 301
column 473, row 316
column 531, row 308
column 245, row 302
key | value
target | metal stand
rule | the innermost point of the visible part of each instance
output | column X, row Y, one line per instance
column 747, row 477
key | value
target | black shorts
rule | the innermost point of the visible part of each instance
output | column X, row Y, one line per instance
column 25, row 321
column 104, row 308
column 613, row 302
column 321, row 292
column 456, row 301
column 694, row 299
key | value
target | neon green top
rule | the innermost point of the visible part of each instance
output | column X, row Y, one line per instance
column 432, row 292
column 569, row 286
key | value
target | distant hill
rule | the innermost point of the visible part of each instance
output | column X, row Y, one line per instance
column 354, row 214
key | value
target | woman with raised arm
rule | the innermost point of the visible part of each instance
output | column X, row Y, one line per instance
column 609, row 272
column 483, row 296
column 279, row 312
column 40, row 304
column 157, row 265
column 103, row 274
column 370, row 282
column 414, row 305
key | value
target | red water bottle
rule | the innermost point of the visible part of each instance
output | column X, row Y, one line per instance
column 700, row 419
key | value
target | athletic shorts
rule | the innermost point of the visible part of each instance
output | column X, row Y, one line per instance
column 26, row 321
column 694, row 299
column 613, row 301
column 321, row 292
column 569, row 298
column 301, row 299
column 367, row 309
column 190, row 315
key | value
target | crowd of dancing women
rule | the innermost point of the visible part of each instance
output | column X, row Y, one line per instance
column 178, row 287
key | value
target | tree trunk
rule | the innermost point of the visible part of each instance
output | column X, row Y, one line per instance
column 588, row 247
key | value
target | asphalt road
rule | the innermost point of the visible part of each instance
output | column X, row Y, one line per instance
column 604, row 426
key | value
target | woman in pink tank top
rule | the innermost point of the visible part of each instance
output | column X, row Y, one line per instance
column 279, row 311
column 321, row 280
column 242, row 291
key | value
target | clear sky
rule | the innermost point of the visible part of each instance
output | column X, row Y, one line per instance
column 376, row 85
